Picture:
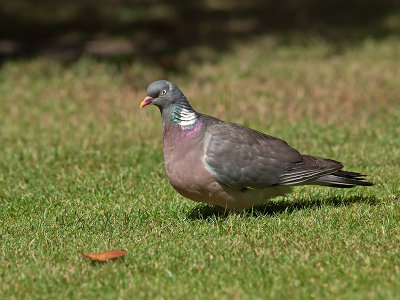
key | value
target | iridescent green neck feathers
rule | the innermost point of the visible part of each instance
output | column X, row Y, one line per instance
column 183, row 115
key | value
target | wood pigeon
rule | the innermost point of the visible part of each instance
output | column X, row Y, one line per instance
column 229, row 165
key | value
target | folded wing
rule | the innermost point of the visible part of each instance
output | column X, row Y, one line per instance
column 241, row 157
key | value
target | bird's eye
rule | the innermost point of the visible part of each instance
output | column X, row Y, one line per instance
column 163, row 92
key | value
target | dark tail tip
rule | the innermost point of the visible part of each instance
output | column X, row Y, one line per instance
column 352, row 178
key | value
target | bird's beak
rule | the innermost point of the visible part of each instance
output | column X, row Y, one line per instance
column 146, row 101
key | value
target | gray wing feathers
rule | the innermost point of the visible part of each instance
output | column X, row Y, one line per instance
column 310, row 168
column 244, row 158
column 241, row 157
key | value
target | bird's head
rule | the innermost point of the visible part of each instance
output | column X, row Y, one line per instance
column 163, row 94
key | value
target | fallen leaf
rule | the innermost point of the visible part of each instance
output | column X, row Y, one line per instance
column 104, row 256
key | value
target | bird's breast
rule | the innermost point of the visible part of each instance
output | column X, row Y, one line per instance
column 183, row 160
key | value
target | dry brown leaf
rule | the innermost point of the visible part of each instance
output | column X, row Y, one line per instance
column 104, row 256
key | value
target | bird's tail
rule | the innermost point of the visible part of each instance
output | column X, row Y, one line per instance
column 343, row 179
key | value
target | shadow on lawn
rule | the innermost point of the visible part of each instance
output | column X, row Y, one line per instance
column 156, row 31
column 204, row 212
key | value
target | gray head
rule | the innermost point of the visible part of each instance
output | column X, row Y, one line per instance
column 163, row 94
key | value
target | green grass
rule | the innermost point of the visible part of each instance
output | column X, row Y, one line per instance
column 81, row 169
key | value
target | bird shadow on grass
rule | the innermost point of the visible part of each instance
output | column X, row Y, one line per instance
column 282, row 206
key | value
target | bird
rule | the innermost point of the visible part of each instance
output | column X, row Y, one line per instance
column 231, row 166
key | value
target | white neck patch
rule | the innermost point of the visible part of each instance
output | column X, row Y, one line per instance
column 187, row 117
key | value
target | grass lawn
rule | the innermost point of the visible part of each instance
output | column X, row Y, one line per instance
column 81, row 170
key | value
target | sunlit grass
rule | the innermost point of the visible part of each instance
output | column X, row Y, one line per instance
column 81, row 169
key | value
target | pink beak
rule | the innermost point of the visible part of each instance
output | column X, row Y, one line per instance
column 146, row 101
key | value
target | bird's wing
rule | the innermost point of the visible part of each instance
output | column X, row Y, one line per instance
column 241, row 157
column 312, row 167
